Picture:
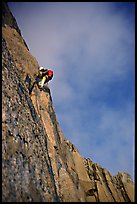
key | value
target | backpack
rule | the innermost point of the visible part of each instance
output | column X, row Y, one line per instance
column 50, row 74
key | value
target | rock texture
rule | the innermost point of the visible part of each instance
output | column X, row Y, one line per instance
column 38, row 163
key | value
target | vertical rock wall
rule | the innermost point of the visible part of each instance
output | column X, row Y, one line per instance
column 26, row 166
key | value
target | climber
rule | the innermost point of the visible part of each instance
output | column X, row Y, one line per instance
column 44, row 76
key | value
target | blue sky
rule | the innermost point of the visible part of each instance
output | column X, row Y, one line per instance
column 91, row 48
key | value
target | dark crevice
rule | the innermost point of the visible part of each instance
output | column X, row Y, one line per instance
column 109, row 189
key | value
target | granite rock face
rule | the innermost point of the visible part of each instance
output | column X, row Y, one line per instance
column 38, row 163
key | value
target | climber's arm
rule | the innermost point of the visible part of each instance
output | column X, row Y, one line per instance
column 45, row 71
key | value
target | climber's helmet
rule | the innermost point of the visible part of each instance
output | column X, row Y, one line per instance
column 41, row 68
